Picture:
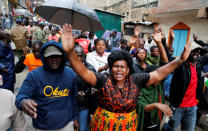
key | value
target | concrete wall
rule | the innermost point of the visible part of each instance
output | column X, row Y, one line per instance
column 178, row 5
column 126, row 8
column 139, row 2
column 170, row 12
column 187, row 4
column 99, row 4
column 129, row 8
column 137, row 14
column 198, row 26
column 123, row 7
column 95, row 4
column 132, row 9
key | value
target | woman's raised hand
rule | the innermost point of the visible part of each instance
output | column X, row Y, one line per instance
column 157, row 37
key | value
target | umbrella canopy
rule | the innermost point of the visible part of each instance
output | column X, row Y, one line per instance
column 70, row 11
column 24, row 12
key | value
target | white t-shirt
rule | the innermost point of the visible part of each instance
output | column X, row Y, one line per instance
column 96, row 60
column 148, row 45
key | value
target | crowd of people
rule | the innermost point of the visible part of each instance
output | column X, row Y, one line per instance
column 77, row 81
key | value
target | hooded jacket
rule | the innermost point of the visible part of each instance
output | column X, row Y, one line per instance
column 7, row 61
column 54, row 92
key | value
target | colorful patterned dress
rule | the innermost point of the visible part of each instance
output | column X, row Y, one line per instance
column 117, row 107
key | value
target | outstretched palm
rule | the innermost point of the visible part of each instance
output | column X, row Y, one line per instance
column 186, row 52
column 157, row 37
column 67, row 38
column 172, row 34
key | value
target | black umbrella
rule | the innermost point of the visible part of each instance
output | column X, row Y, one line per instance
column 70, row 11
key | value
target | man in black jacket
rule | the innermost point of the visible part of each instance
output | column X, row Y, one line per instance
column 84, row 91
column 187, row 80
column 6, row 61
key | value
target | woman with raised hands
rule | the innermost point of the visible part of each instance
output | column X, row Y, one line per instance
column 117, row 94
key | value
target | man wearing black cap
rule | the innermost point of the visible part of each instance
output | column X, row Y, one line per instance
column 187, row 80
column 48, row 94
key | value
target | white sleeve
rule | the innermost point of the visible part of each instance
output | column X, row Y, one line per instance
column 89, row 58
column 18, row 120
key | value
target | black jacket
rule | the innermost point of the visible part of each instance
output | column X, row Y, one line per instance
column 20, row 66
column 7, row 61
column 86, row 88
column 136, row 68
column 181, row 80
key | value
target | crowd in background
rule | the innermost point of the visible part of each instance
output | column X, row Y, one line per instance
column 124, row 83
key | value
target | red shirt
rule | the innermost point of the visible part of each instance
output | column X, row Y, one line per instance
column 189, row 99
column 55, row 37
column 84, row 43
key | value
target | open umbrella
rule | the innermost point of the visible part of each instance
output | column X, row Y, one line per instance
column 70, row 11
column 24, row 12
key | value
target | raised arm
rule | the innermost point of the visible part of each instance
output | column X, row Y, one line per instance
column 172, row 36
column 199, row 42
column 163, row 71
column 132, row 41
column 76, row 64
column 20, row 66
column 158, row 39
